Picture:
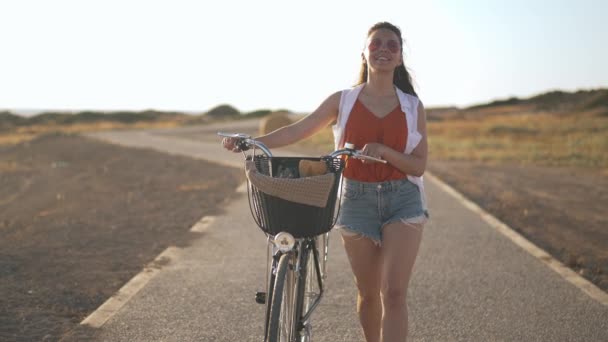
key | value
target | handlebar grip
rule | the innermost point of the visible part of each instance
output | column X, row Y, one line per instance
column 245, row 142
column 241, row 143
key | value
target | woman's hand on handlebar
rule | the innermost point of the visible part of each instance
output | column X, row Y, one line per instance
column 231, row 144
column 374, row 150
column 235, row 142
column 238, row 142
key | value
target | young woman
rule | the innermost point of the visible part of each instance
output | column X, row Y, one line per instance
column 383, row 208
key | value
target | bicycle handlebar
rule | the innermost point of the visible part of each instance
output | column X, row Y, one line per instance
column 245, row 142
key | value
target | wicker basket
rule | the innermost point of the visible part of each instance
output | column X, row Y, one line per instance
column 294, row 204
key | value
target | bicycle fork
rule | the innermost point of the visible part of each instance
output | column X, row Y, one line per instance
column 278, row 246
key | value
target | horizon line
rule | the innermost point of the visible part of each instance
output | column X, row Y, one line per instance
column 36, row 111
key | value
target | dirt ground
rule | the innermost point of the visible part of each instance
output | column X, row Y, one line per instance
column 561, row 210
column 79, row 218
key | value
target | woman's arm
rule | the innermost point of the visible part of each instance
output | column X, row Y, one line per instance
column 413, row 164
column 307, row 126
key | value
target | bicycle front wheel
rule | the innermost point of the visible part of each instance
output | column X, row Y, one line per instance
column 282, row 312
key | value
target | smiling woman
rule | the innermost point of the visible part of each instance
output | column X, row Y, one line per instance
column 383, row 208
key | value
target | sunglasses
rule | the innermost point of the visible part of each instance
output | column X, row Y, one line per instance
column 376, row 43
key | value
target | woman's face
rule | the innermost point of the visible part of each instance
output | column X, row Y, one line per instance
column 383, row 50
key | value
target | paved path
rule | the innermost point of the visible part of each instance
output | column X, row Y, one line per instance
column 471, row 283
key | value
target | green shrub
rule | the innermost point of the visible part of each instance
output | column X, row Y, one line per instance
column 223, row 111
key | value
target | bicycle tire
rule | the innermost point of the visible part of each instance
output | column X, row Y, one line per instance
column 281, row 305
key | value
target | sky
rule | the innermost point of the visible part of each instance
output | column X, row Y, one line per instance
column 194, row 55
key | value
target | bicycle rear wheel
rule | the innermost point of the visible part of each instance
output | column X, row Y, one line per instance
column 282, row 312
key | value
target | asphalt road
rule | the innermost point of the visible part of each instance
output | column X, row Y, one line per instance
column 470, row 282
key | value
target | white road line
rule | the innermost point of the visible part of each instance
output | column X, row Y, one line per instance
column 203, row 224
column 583, row 284
column 118, row 300
column 169, row 256
column 242, row 189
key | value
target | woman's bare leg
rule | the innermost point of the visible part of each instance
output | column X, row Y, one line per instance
column 364, row 257
column 400, row 243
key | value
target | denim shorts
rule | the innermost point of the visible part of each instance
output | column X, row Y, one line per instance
column 367, row 207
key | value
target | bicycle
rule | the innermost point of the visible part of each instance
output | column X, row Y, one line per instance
column 297, row 228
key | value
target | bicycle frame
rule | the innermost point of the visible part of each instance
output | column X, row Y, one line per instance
column 310, row 245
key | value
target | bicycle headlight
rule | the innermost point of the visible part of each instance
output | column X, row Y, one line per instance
column 284, row 241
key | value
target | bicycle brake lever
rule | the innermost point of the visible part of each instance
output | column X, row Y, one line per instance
column 359, row 155
column 234, row 135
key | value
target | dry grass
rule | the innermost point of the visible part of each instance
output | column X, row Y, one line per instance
column 273, row 122
column 26, row 133
column 543, row 139
column 323, row 140
column 579, row 140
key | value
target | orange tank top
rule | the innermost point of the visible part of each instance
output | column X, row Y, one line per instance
column 364, row 127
